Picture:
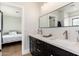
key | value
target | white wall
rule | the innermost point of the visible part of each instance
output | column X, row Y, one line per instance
column 10, row 10
column 11, row 23
column 11, row 17
column 31, row 12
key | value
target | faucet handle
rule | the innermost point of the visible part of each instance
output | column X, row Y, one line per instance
column 77, row 31
column 65, row 32
column 39, row 31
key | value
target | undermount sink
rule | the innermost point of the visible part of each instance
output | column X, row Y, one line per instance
column 47, row 36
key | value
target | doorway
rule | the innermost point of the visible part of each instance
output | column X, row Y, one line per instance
column 12, row 33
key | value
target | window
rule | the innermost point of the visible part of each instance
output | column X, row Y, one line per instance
column 75, row 21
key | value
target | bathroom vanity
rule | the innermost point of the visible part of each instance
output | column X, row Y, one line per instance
column 41, row 46
column 64, row 41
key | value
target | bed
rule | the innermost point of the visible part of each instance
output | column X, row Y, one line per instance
column 12, row 37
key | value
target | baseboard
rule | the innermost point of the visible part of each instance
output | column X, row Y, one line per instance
column 25, row 52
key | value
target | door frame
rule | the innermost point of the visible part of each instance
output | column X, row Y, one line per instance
column 18, row 6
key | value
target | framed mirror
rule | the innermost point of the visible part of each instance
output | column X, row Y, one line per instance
column 66, row 16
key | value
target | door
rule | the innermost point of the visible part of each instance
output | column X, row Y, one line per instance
column 1, row 21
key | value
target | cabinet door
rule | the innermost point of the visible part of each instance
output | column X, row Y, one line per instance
column 32, row 45
column 38, row 48
column 43, row 48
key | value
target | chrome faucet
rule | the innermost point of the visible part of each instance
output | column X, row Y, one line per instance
column 66, row 34
column 40, row 31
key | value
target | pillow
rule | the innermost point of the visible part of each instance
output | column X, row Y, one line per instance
column 13, row 33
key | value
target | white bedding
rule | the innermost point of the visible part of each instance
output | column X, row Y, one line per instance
column 11, row 38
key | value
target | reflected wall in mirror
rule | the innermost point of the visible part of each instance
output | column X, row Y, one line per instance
column 49, row 20
column 65, row 16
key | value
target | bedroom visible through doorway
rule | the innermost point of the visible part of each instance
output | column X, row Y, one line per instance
column 12, row 33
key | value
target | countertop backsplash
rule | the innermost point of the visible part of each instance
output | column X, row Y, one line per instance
column 58, row 32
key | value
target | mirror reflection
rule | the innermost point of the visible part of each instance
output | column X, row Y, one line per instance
column 64, row 16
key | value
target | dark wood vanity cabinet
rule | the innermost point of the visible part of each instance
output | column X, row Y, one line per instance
column 40, row 48
column 32, row 46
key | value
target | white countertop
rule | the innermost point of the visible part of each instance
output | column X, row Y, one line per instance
column 67, row 45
